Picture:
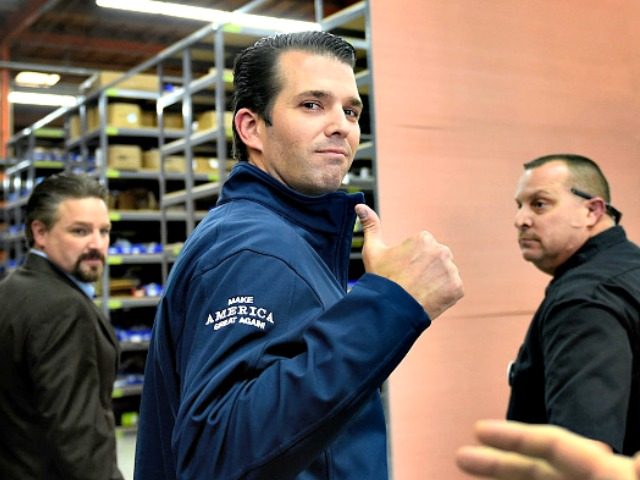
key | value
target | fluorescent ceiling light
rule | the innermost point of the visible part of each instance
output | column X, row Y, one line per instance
column 209, row 15
column 37, row 79
column 47, row 99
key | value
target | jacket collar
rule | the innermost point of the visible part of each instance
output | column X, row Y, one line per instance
column 43, row 265
column 87, row 288
column 327, row 213
column 324, row 221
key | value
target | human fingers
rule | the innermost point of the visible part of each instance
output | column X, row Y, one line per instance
column 575, row 457
column 636, row 465
column 431, row 275
column 488, row 462
column 538, row 440
column 372, row 229
column 419, row 264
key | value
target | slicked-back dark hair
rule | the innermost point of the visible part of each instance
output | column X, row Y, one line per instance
column 257, row 80
column 586, row 174
column 47, row 195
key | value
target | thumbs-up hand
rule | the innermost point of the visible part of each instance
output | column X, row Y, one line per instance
column 420, row 265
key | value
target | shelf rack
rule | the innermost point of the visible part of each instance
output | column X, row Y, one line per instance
column 183, row 198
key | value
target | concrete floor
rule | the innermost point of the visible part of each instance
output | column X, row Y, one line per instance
column 126, row 443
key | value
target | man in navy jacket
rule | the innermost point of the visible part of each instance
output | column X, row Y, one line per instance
column 261, row 365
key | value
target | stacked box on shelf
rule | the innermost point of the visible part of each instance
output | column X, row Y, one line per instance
column 141, row 81
column 124, row 157
column 172, row 163
column 119, row 115
column 209, row 120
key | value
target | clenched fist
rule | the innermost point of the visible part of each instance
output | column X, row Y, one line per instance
column 420, row 265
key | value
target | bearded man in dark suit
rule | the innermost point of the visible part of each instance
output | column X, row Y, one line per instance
column 59, row 352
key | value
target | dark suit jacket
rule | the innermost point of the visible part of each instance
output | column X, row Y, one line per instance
column 58, row 365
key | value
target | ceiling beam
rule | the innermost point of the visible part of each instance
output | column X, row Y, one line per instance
column 78, row 42
column 23, row 18
column 39, row 67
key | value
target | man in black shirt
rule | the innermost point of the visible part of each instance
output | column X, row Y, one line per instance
column 580, row 361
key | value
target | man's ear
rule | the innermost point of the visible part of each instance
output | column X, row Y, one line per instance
column 597, row 209
column 248, row 127
column 38, row 230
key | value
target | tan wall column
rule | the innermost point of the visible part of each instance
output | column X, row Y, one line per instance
column 466, row 91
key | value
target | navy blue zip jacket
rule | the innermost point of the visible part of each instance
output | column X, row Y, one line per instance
column 261, row 365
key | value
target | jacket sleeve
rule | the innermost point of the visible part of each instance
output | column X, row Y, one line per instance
column 588, row 371
column 271, row 374
column 65, row 373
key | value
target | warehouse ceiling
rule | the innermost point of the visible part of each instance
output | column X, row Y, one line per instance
column 76, row 37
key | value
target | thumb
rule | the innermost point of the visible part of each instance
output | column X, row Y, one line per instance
column 370, row 225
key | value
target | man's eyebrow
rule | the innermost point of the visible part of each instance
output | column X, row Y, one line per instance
column 320, row 94
column 81, row 223
column 356, row 102
column 535, row 193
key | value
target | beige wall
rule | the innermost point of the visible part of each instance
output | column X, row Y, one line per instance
column 465, row 92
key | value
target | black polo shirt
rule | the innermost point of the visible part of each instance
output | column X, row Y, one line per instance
column 579, row 366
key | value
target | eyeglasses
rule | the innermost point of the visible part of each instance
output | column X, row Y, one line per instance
column 611, row 210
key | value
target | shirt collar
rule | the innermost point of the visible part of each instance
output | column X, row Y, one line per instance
column 591, row 247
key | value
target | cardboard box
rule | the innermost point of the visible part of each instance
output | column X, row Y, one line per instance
column 207, row 120
column 93, row 119
column 120, row 115
column 172, row 163
column 75, row 126
column 112, row 199
column 141, row 81
column 148, row 119
column 136, row 199
column 124, row 115
column 124, row 157
column 205, row 165
column 173, row 120
column 210, row 165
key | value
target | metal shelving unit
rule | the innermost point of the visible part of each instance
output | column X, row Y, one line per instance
column 28, row 161
column 193, row 77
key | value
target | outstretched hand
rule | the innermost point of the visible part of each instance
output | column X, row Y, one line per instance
column 518, row 451
column 420, row 265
